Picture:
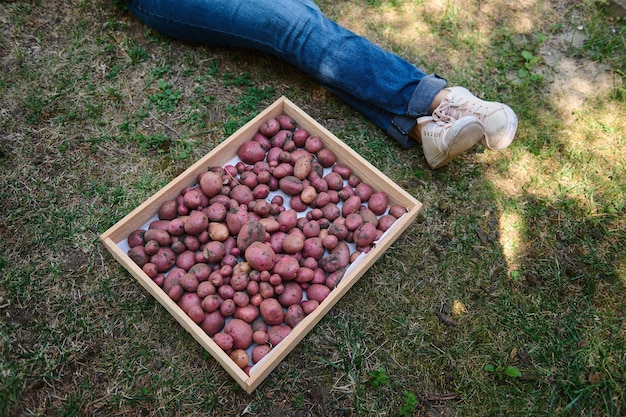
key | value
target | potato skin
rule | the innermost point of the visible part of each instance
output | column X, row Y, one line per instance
column 272, row 311
column 260, row 256
column 250, row 152
column 378, row 202
column 317, row 292
column 241, row 332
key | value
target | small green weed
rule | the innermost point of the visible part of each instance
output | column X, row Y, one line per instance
column 501, row 371
column 166, row 98
column 379, row 378
column 409, row 406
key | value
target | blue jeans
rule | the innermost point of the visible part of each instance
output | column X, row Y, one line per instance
column 387, row 89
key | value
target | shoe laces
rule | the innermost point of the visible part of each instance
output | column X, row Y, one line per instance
column 454, row 106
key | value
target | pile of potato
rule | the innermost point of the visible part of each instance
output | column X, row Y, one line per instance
column 253, row 247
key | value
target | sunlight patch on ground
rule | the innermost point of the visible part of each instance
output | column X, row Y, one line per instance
column 511, row 238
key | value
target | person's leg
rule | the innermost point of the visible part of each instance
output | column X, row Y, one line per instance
column 386, row 88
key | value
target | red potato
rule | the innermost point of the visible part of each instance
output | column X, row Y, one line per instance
column 164, row 259
column 309, row 306
column 313, row 247
column 281, row 137
column 260, row 351
column 299, row 137
column 342, row 169
column 317, row 292
column 292, row 294
column 354, row 180
column 213, row 323
column 338, row 230
column 193, row 198
column 167, row 210
column 240, row 331
column 236, row 218
column 252, row 231
column 270, row 127
column 150, row 269
column 290, row 185
column 192, row 242
column 385, row 222
column 282, row 170
column 210, row 183
column 214, row 251
column 266, row 290
column 224, row 341
column 161, row 236
column 176, row 292
column 185, row 260
column 364, row 235
column 304, row 274
column 332, row 280
column 296, row 203
column 242, row 194
column 334, row 181
column 378, row 202
column 211, row 303
column 260, row 256
column 326, row 157
column 331, row 211
column 286, row 267
column 189, row 282
column 313, row 144
column 196, row 314
column 364, row 191
column 272, row 311
column 205, row 288
column 287, row 220
column 294, row 315
column 310, row 228
column 247, row 313
column 239, row 281
column 397, row 211
column 320, row 184
column 350, row 205
column 201, row 271
column 135, row 238
column 353, row 221
column 151, row 247
column 251, row 152
column 286, row 122
column 227, row 307
column 368, row 216
column 249, row 179
column 196, row 222
column 277, row 334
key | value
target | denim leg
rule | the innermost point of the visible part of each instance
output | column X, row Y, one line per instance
column 387, row 89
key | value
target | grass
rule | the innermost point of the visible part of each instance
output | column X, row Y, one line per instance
column 505, row 297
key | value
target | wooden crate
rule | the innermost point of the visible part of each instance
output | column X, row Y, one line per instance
column 114, row 239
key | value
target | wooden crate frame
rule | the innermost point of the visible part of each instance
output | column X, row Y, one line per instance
column 221, row 155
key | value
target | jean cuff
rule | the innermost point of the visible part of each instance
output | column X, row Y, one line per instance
column 419, row 105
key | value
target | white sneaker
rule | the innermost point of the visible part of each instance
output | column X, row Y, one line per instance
column 499, row 120
column 442, row 140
